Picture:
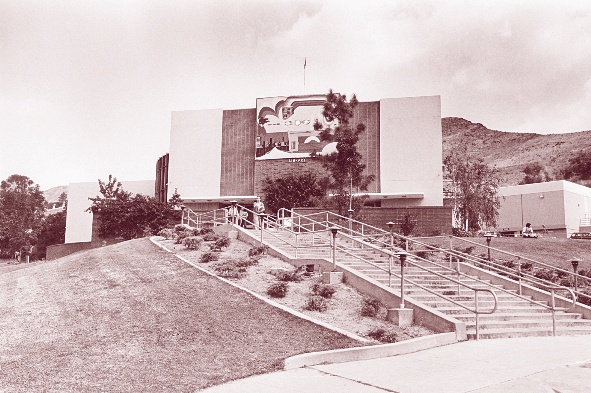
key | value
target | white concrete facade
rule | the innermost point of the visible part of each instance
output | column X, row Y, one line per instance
column 411, row 153
column 195, row 153
column 557, row 205
column 78, row 220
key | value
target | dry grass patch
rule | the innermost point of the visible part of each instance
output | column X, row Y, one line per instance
column 130, row 317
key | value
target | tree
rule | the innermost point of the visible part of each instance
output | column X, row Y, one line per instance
column 53, row 231
column 292, row 191
column 344, row 165
column 535, row 173
column 475, row 191
column 22, row 207
column 578, row 167
column 125, row 215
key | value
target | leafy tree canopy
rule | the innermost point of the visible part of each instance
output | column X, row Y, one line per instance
column 535, row 173
column 22, row 207
column 345, row 164
column 128, row 216
column 292, row 191
column 474, row 189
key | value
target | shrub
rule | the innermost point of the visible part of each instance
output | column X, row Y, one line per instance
column 204, row 231
column 208, row 257
column 293, row 276
column 221, row 242
column 279, row 289
column 449, row 293
column 566, row 282
column 370, row 307
column 210, row 237
column 229, row 269
column 545, row 274
column 382, row 335
column 192, row 242
column 422, row 254
column 166, row 233
column 527, row 266
column 585, row 298
column 326, row 291
column 460, row 232
column 257, row 251
column 246, row 262
column 316, row 303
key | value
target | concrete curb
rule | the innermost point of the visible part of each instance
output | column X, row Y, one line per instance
column 370, row 352
column 266, row 300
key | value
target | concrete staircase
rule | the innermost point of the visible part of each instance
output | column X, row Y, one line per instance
column 514, row 317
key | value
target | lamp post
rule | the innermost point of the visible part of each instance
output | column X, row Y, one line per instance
column 350, row 212
column 402, row 255
column 575, row 263
column 334, row 231
column 488, row 237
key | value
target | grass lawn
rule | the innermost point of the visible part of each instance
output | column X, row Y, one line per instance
column 130, row 317
column 552, row 251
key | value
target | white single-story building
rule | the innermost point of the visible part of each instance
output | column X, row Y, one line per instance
column 559, row 207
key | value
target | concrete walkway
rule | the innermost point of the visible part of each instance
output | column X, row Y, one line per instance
column 531, row 364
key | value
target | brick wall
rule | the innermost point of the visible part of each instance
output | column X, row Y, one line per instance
column 276, row 169
column 238, row 152
column 368, row 113
column 431, row 220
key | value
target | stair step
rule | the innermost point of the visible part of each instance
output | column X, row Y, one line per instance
column 519, row 332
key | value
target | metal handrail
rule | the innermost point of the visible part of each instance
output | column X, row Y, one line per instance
column 520, row 258
column 391, row 255
column 380, row 232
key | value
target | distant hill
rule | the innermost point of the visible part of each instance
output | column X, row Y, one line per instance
column 53, row 194
column 510, row 152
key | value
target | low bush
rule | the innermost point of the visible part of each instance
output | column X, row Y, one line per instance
column 460, row 232
column 527, row 266
column 192, row 242
column 277, row 290
column 166, row 233
column 545, row 274
column 207, row 257
column 221, row 242
column 382, row 335
column 210, row 237
column 316, row 303
column 204, row 231
column 370, row 307
column 229, row 269
column 324, row 290
column 257, row 251
column 293, row 276
column 585, row 298
column 449, row 293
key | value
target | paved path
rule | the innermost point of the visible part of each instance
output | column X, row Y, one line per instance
column 516, row 365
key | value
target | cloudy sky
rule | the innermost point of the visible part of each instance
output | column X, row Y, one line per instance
column 87, row 87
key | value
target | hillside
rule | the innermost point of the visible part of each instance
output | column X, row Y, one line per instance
column 510, row 151
column 133, row 318
column 53, row 194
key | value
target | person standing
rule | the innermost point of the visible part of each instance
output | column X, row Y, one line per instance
column 259, row 208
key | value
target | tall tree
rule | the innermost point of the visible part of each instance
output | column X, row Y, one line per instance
column 344, row 164
column 535, row 173
column 128, row 216
column 22, row 206
column 474, row 190
column 292, row 191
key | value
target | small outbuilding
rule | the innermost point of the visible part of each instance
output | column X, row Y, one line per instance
column 556, row 208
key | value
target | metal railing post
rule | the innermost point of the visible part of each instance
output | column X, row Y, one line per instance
column 451, row 248
column 296, row 245
column 477, row 315
column 519, row 273
column 553, row 312
column 390, row 257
